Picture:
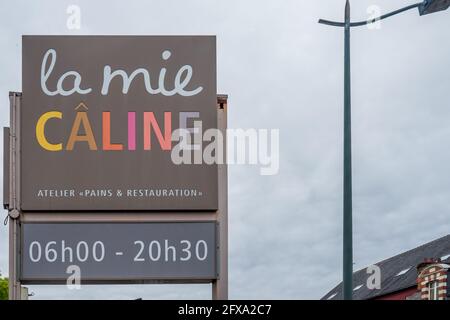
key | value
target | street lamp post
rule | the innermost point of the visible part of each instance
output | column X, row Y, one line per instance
column 425, row 7
column 348, row 223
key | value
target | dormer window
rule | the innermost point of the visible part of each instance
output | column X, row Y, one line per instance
column 433, row 290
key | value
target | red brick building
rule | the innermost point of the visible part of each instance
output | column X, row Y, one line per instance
column 422, row 273
column 433, row 280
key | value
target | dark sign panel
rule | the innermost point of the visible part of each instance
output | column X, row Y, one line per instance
column 97, row 121
column 127, row 252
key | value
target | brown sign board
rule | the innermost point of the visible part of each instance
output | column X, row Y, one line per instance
column 119, row 252
column 97, row 118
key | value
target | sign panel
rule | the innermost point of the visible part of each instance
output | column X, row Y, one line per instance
column 97, row 121
column 52, row 252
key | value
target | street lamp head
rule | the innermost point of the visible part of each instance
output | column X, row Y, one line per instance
column 431, row 6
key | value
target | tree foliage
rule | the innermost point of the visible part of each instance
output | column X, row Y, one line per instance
column 3, row 288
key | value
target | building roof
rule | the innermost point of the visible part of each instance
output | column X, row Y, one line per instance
column 397, row 273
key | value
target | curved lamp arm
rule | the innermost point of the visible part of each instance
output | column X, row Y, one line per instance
column 363, row 23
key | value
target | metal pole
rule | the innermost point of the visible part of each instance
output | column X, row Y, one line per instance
column 220, row 286
column 14, row 197
column 347, row 283
column 14, row 282
column 348, row 241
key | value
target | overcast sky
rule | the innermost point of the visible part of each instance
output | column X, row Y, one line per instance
column 283, row 70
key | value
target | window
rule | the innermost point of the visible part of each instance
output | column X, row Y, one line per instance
column 443, row 258
column 332, row 296
column 358, row 287
column 433, row 290
column 404, row 271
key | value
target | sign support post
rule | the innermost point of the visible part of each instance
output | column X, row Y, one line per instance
column 220, row 286
column 14, row 194
column 14, row 283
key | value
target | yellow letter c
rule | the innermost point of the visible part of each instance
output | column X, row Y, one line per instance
column 40, row 135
